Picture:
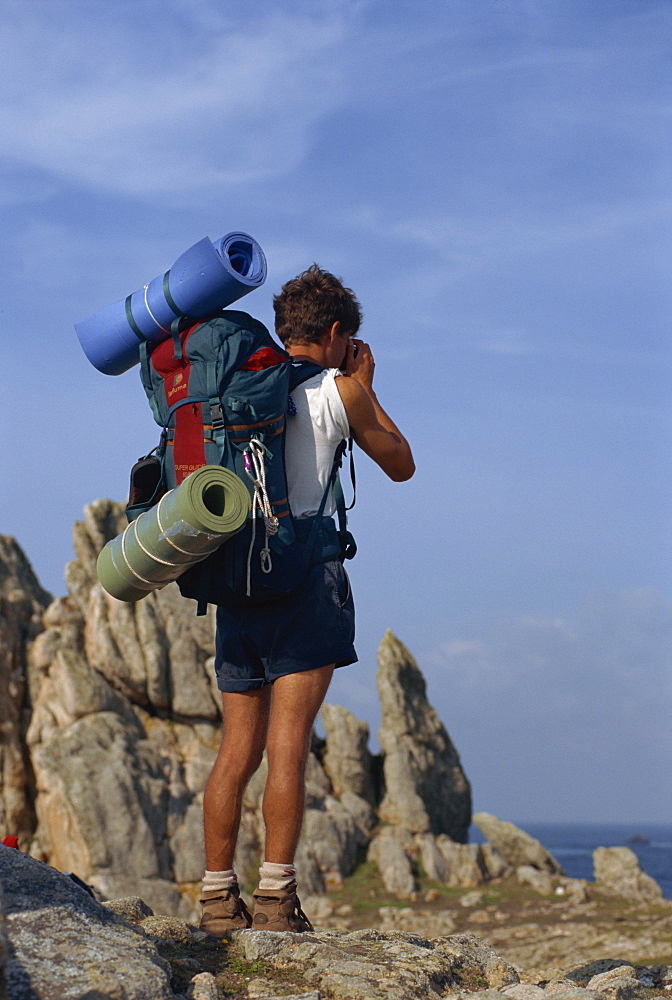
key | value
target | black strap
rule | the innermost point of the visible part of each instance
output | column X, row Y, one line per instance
column 353, row 477
column 302, row 370
column 130, row 319
column 204, row 587
column 175, row 334
column 168, row 297
column 333, row 483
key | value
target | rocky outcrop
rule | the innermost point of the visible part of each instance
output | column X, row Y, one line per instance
column 63, row 944
column 426, row 789
column 22, row 601
column 123, row 733
column 617, row 869
column 123, row 729
column 378, row 965
column 517, row 847
column 124, row 719
column 347, row 761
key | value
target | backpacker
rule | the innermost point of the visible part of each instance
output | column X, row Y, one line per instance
column 221, row 390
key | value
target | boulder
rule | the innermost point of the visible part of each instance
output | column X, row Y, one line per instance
column 357, row 965
column 62, row 943
column 464, row 863
column 494, row 861
column 516, row 846
column 124, row 731
column 619, row 984
column 393, row 859
column 426, row 789
column 22, row 603
column 4, row 950
column 617, row 869
column 347, row 760
column 431, row 858
column 541, row 882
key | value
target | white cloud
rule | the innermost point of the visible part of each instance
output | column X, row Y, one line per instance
column 107, row 111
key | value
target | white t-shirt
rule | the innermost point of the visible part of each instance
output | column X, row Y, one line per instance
column 313, row 434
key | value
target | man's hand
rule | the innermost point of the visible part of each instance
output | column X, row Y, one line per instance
column 371, row 427
column 359, row 363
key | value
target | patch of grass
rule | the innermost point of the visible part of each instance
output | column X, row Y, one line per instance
column 240, row 967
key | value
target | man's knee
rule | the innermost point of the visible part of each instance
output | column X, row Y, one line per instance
column 288, row 753
column 239, row 763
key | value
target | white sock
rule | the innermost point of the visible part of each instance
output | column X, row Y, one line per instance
column 276, row 876
column 219, row 880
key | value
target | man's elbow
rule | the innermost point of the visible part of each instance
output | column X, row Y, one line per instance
column 402, row 471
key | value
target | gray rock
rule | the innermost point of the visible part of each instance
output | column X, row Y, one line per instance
column 363, row 815
column 617, row 869
column 311, row 995
column 464, row 863
column 204, row 987
column 132, row 909
column 123, row 731
column 357, row 965
column 162, row 896
column 101, row 795
column 540, row 881
column 4, row 956
column 347, row 760
column 523, row 991
column 576, row 889
column 619, row 984
column 516, row 846
column 563, row 991
column 499, row 972
column 603, row 979
column 394, row 864
column 330, row 836
column 22, row 603
column 17, row 577
column 65, row 945
column 434, row 864
column 426, row 789
column 495, row 863
column 490, row 994
column 470, row 956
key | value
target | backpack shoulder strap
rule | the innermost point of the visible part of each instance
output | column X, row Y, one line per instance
column 301, row 371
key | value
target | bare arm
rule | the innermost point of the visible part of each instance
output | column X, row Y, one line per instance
column 372, row 428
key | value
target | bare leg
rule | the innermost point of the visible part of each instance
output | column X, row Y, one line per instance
column 244, row 727
column 295, row 704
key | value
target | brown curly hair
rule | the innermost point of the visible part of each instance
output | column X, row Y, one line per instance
column 307, row 306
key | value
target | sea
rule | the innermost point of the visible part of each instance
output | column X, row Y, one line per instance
column 572, row 845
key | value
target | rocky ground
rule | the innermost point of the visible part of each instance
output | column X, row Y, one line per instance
column 535, row 932
column 503, row 940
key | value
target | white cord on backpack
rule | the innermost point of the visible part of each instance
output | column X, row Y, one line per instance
column 253, row 459
column 151, row 313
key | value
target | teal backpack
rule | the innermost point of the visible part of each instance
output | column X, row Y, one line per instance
column 220, row 389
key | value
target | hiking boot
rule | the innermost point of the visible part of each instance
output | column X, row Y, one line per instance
column 223, row 910
column 279, row 910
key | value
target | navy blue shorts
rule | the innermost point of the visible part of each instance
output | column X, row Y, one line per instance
column 312, row 627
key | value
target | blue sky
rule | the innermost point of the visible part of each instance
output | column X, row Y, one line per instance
column 492, row 177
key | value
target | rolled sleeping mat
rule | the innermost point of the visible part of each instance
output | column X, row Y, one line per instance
column 205, row 278
column 186, row 525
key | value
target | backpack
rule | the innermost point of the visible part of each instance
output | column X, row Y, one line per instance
column 220, row 388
